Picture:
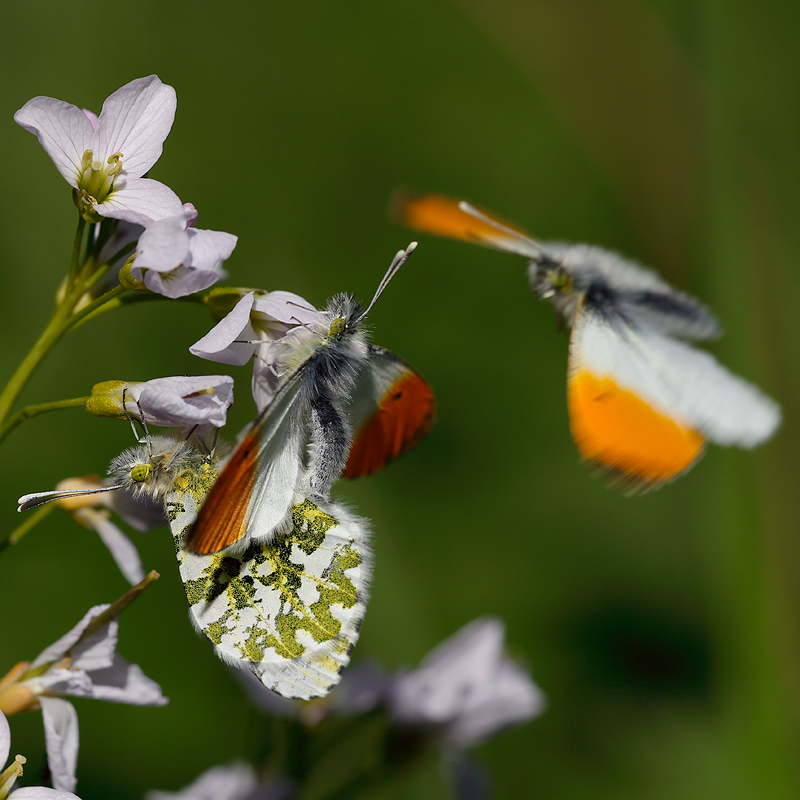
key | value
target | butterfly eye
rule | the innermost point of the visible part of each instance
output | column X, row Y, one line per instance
column 338, row 326
column 560, row 280
column 141, row 472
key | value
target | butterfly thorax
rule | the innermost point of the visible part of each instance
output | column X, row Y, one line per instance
column 333, row 349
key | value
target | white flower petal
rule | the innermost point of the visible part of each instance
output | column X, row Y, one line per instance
column 41, row 793
column 185, row 401
column 219, row 343
column 124, row 682
column 208, row 248
column 122, row 549
column 71, row 682
column 286, row 307
column 231, row 782
column 5, row 741
column 135, row 121
column 61, row 741
column 56, row 650
column 63, row 130
column 91, row 116
column 139, row 200
column 466, row 687
column 265, row 382
column 182, row 281
column 162, row 247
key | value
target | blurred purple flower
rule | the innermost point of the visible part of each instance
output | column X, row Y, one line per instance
column 237, row 781
column 466, row 689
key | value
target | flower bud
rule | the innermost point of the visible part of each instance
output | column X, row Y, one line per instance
column 127, row 280
column 106, row 399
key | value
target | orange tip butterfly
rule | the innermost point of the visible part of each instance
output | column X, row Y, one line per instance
column 336, row 390
column 642, row 402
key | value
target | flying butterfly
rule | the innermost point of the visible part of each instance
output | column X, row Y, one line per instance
column 336, row 390
column 642, row 403
column 288, row 610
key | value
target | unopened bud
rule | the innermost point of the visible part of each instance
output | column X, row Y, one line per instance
column 106, row 399
column 127, row 280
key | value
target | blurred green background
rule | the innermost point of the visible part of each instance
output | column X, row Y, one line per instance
column 663, row 628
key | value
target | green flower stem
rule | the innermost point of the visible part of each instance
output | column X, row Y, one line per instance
column 30, row 520
column 42, row 408
column 76, row 250
column 55, row 329
column 93, row 309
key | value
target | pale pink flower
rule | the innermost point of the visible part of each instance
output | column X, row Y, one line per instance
column 466, row 689
column 104, row 158
column 10, row 775
column 176, row 259
column 236, row 781
column 197, row 403
column 257, row 326
column 89, row 667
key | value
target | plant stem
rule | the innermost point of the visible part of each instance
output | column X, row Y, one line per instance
column 31, row 519
column 76, row 250
column 55, row 329
column 42, row 408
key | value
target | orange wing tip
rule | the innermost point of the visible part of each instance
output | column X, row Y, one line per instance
column 402, row 419
column 625, row 437
column 222, row 520
column 442, row 216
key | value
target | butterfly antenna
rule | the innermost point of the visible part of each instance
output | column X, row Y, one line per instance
column 400, row 258
column 468, row 208
column 28, row 501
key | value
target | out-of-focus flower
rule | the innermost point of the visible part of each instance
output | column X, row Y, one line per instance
column 93, row 512
column 364, row 686
column 81, row 666
column 257, row 326
column 466, row 689
column 175, row 259
column 9, row 776
column 237, row 781
column 192, row 402
column 104, row 158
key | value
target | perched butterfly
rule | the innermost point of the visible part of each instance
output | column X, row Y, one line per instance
column 335, row 390
column 642, row 403
column 288, row 610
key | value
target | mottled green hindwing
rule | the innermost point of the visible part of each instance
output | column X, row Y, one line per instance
column 289, row 610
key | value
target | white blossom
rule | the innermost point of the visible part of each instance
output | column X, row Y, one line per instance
column 466, row 689
column 236, row 781
column 257, row 326
column 175, row 259
column 197, row 403
column 78, row 667
column 9, row 776
column 104, row 158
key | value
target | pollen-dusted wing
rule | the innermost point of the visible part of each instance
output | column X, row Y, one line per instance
column 288, row 610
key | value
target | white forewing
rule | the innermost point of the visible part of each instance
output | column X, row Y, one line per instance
column 289, row 610
column 685, row 384
column 637, row 292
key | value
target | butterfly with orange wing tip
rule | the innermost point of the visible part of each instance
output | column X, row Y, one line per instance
column 336, row 390
column 642, row 403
